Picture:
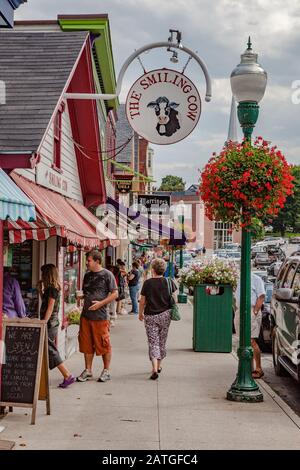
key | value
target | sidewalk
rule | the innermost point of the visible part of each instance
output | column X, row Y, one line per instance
column 185, row 408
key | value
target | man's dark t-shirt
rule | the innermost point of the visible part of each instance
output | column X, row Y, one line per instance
column 97, row 286
column 135, row 280
column 50, row 293
column 157, row 295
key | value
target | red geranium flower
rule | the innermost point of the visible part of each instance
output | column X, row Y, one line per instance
column 245, row 182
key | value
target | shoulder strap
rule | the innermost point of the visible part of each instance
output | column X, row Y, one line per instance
column 169, row 286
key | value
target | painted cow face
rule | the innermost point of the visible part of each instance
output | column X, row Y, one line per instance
column 162, row 107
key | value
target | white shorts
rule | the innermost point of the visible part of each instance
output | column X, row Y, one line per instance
column 255, row 323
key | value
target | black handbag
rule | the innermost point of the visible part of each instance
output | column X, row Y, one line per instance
column 121, row 293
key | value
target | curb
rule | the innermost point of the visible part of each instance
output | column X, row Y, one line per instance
column 276, row 398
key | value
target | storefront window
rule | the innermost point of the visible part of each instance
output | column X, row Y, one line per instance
column 222, row 234
column 18, row 258
column 71, row 273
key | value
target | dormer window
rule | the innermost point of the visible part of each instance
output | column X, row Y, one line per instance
column 57, row 138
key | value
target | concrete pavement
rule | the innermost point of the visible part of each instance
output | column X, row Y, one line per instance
column 185, row 408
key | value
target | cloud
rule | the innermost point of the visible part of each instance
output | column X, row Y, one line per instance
column 218, row 30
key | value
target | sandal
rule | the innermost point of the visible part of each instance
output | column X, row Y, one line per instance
column 154, row 376
column 257, row 374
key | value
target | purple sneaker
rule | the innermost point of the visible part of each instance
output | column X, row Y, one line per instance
column 69, row 381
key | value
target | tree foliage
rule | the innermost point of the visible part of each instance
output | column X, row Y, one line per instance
column 172, row 183
column 289, row 217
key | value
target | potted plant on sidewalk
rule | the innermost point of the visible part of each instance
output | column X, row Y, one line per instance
column 213, row 282
column 73, row 321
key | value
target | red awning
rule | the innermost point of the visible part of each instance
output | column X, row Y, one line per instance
column 55, row 216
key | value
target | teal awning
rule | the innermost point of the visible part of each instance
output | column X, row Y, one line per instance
column 13, row 202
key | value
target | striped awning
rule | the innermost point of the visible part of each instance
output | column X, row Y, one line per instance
column 55, row 217
column 14, row 204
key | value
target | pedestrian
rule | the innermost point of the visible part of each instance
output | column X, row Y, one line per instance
column 99, row 289
column 154, row 310
column 50, row 290
column 141, row 273
column 113, row 305
column 203, row 250
column 170, row 269
column 133, row 283
column 121, row 310
column 257, row 299
column 13, row 303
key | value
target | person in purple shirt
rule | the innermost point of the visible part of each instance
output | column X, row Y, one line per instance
column 13, row 303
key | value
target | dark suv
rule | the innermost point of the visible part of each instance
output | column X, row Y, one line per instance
column 285, row 310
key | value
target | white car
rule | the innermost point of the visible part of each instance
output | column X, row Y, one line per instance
column 273, row 241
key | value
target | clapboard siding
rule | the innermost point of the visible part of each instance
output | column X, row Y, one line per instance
column 27, row 173
column 68, row 156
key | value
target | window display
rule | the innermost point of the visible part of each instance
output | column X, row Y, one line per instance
column 71, row 272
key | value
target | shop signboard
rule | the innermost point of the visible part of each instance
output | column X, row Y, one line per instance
column 24, row 364
column 153, row 204
column 51, row 179
column 163, row 106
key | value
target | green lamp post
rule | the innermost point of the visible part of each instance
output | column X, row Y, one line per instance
column 182, row 297
column 248, row 83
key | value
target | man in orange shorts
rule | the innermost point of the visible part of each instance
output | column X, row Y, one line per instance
column 99, row 289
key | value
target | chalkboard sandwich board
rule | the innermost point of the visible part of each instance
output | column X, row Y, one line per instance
column 24, row 369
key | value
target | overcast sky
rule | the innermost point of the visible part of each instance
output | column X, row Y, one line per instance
column 218, row 30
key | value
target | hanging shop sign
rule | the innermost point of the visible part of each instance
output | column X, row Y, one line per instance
column 124, row 186
column 163, row 106
column 152, row 204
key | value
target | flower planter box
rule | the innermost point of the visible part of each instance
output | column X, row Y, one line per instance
column 212, row 323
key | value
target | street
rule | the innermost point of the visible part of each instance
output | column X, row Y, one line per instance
column 286, row 387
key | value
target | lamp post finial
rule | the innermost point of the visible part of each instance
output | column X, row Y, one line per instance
column 249, row 44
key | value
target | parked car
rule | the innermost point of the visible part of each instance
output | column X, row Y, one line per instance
column 274, row 241
column 274, row 268
column 232, row 246
column 294, row 240
column 262, row 259
column 295, row 253
column 187, row 259
column 220, row 254
column 285, row 310
column 258, row 249
column 276, row 252
column 233, row 256
column 261, row 273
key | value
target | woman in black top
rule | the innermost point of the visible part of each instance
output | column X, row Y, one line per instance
column 50, row 292
column 154, row 310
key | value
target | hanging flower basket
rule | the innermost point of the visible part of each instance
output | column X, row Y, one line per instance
column 245, row 181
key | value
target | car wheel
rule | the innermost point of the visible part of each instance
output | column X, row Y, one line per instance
column 279, row 369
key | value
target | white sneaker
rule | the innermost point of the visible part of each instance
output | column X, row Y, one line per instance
column 112, row 322
column 105, row 376
column 84, row 376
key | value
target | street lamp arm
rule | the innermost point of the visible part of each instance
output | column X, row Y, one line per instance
column 156, row 45
column 131, row 58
